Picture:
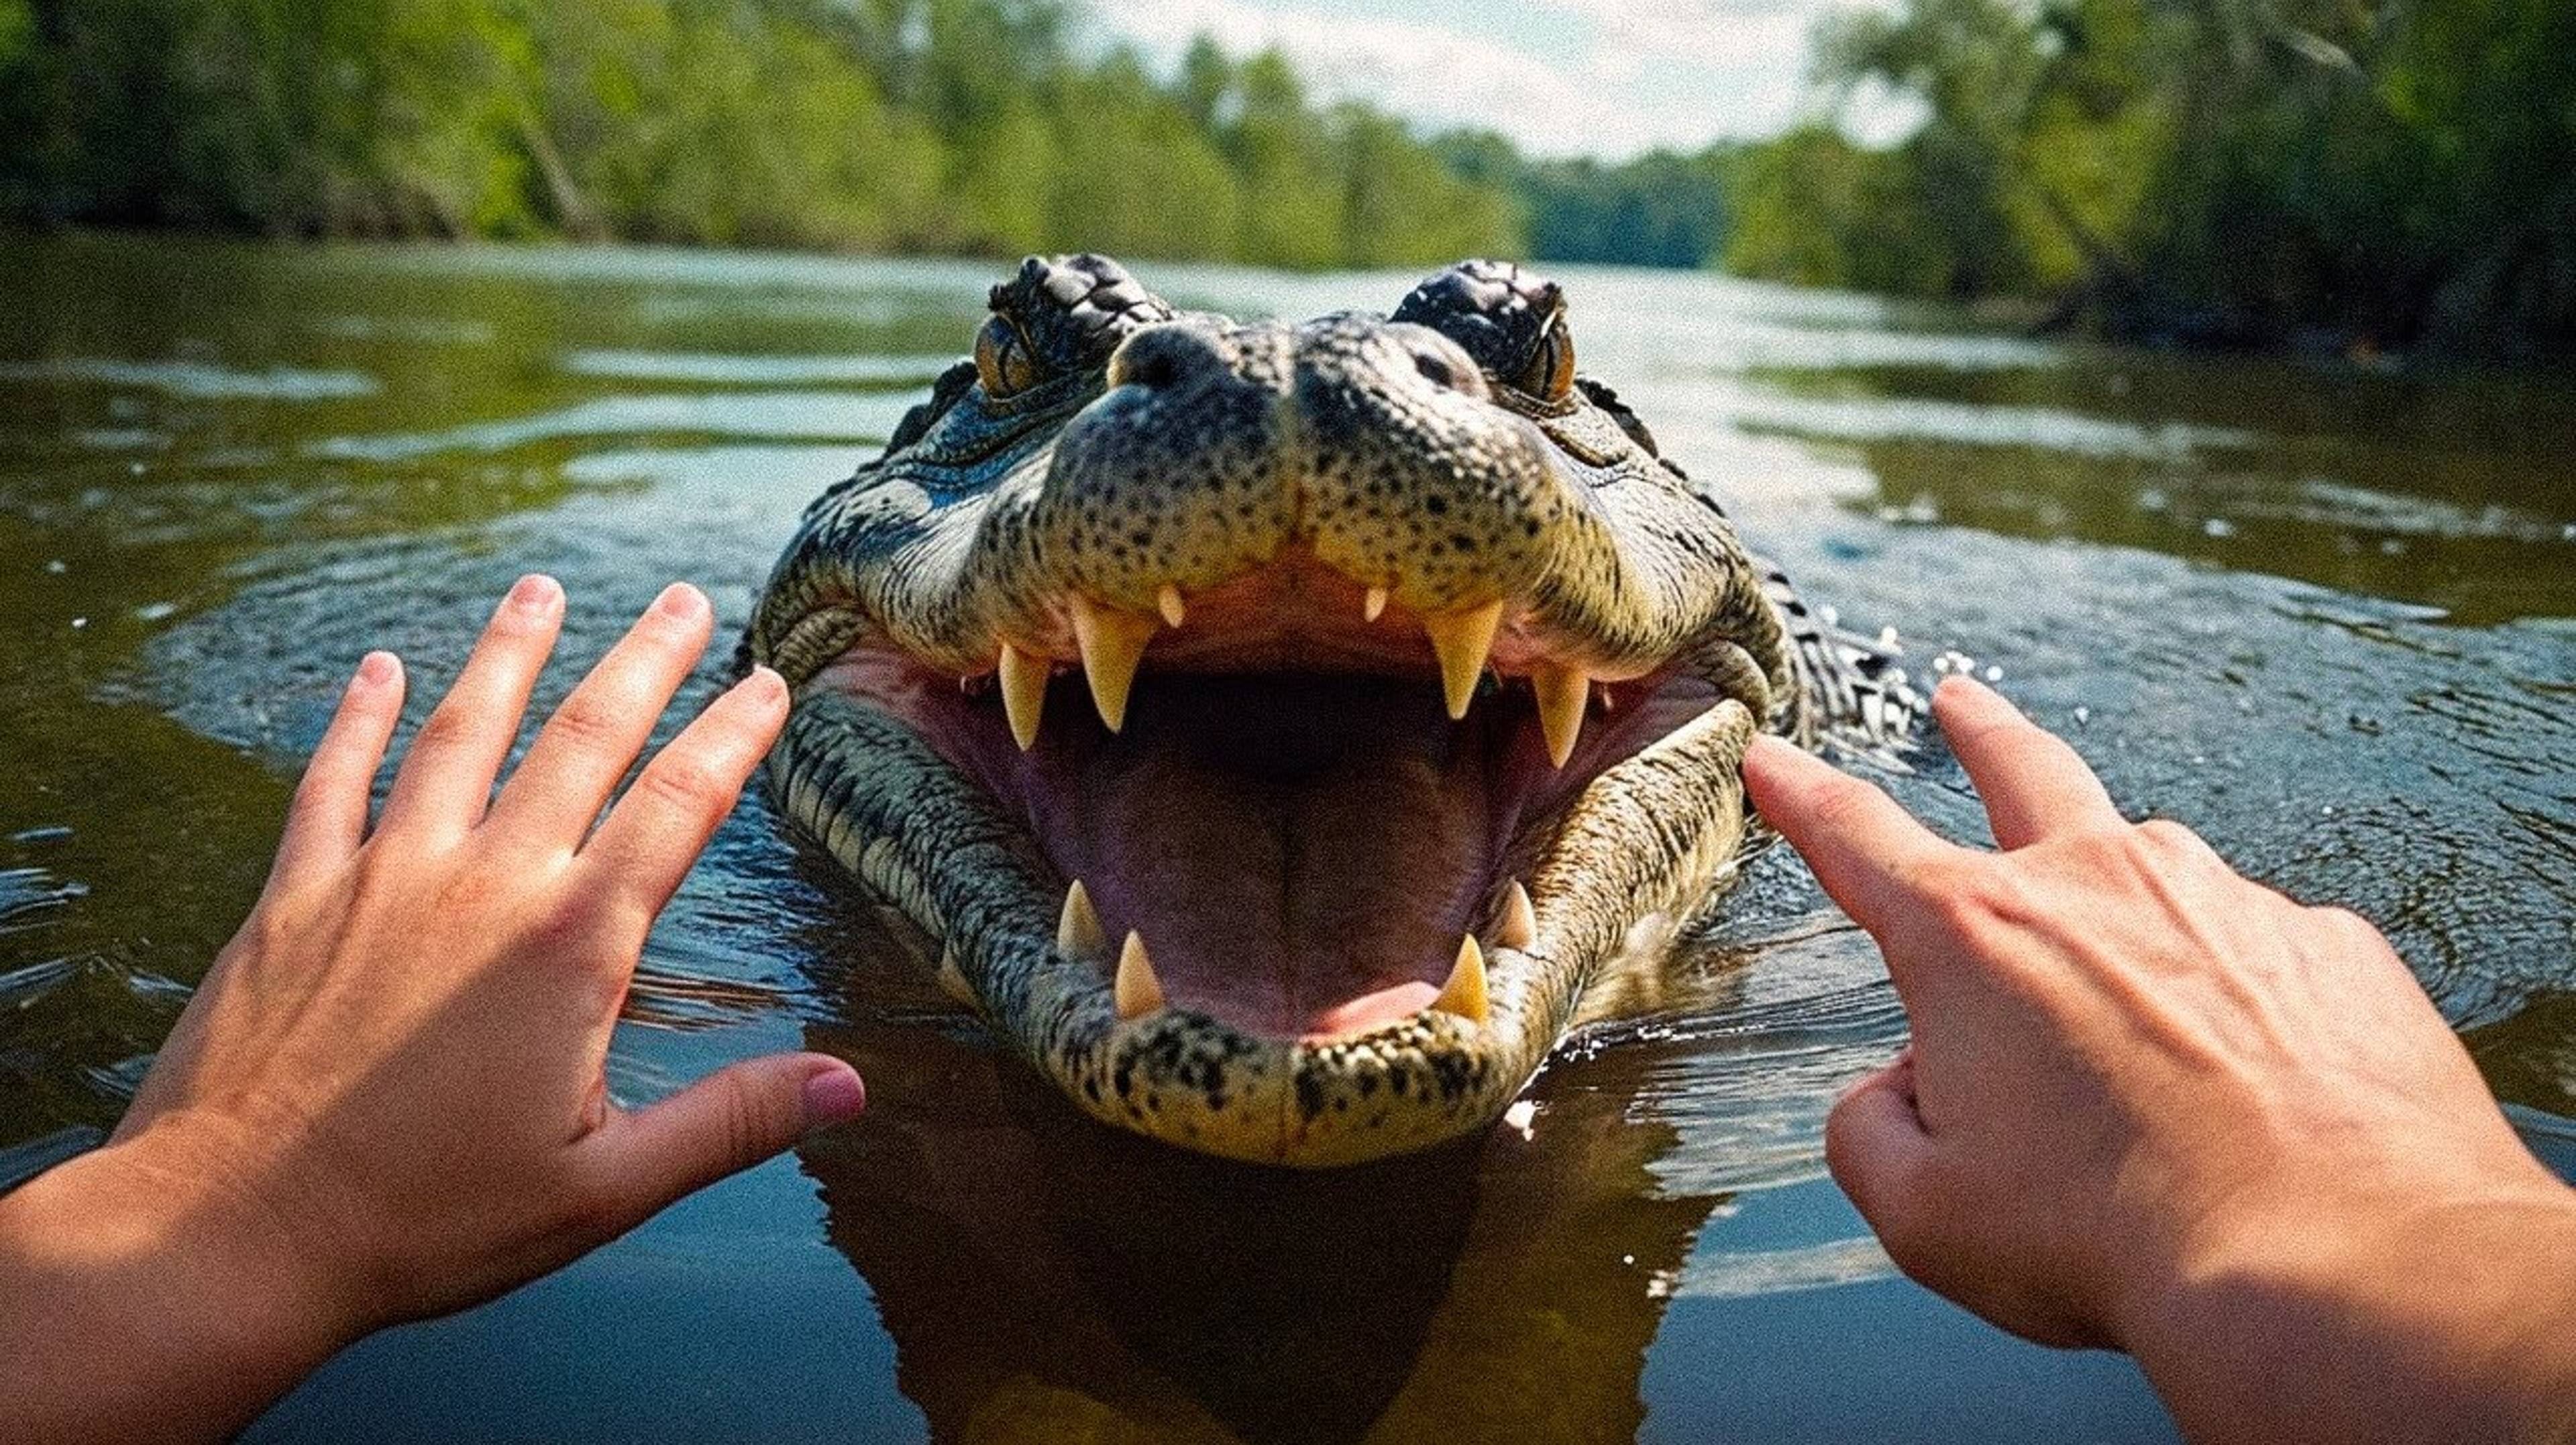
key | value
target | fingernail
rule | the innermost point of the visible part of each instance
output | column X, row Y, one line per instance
column 1986, row 696
column 765, row 680
column 1771, row 750
column 377, row 669
column 679, row 601
column 832, row 1096
column 534, row 593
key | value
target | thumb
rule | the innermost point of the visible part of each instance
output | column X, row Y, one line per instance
column 721, row 1125
column 1876, row 1147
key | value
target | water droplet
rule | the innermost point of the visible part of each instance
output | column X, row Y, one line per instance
column 2083, row 715
column 2218, row 527
column 1994, row 674
column 79, row 622
column 57, row 567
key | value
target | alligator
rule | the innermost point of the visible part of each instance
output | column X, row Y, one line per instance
column 1273, row 730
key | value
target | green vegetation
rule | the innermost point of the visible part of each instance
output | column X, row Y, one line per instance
column 2399, row 173
column 880, row 125
column 1660, row 209
column 2387, row 173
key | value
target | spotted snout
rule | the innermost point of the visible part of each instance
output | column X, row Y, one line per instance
column 1374, row 445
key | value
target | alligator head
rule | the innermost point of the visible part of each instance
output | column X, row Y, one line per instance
column 1275, row 728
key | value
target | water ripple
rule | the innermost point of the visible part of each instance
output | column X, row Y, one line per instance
column 197, row 380
column 720, row 369
column 783, row 415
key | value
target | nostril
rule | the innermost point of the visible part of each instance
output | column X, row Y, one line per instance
column 1160, row 358
column 1435, row 367
column 1154, row 370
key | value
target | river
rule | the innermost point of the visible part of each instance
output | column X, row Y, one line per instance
column 2323, row 613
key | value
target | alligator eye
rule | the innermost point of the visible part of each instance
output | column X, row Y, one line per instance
column 1002, row 359
column 1549, row 376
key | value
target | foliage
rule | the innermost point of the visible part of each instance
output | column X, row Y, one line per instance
column 2385, row 173
column 912, row 125
column 1660, row 209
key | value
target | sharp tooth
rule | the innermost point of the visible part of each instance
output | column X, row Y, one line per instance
column 1464, row 993
column 1136, row 990
column 1462, row 639
column 1562, row 694
column 1518, row 925
column 953, row 979
column 1111, row 641
column 1077, row 932
column 1375, row 606
column 1168, row 602
column 1024, row 685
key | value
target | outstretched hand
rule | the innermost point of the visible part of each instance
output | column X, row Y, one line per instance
column 2151, row 1104
column 387, row 1098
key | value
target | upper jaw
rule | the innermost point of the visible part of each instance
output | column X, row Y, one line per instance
column 1281, row 806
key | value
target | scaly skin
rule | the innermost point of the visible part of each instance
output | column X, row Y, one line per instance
column 1338, row 509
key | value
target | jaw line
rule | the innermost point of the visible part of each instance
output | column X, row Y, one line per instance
column 985, row 891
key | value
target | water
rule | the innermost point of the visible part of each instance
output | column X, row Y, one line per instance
column 2326, row 616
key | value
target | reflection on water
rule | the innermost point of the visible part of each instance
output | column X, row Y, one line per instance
column 2326, row 616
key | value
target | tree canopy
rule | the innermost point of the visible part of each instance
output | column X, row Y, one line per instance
column 2400, row 173
column 873, row 125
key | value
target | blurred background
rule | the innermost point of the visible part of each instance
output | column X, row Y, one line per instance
column 2357, row 175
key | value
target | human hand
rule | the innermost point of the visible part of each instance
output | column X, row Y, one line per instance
column 2145, row 1096
column 386, row 1100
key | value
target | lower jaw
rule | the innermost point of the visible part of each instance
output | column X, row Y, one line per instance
column 1384, row 1078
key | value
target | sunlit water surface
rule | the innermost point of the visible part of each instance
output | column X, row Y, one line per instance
column 2320, row 614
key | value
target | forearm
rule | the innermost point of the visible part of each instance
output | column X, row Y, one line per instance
column 130, row 1312
column 2455, row 1322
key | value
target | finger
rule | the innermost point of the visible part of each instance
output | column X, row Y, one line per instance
column 2033, row 785
column 1863, row 847
column 1876, row 1145
column 720, row 1125
column 447, row 779
column 327, row 818
column 658, row 829
column 586, row 746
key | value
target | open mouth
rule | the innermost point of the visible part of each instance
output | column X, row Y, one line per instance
column 1287, row 803
column 1277, row 728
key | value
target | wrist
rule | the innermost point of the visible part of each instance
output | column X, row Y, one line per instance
column 2381, row 1317
column 210, row 1305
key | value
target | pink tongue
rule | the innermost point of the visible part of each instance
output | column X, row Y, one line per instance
column 1300, row 854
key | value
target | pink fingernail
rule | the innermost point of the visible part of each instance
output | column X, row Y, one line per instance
column 832, row 1096
column 679, row 600
column 377, row 668
column 534, row 593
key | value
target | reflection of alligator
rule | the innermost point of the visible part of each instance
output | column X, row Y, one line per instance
column 1045, row 1279
column 1277, row 901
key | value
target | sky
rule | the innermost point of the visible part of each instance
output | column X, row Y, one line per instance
column 1607, row 78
